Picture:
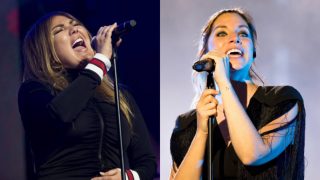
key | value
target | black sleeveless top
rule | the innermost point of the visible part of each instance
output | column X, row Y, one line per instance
column 267, row 104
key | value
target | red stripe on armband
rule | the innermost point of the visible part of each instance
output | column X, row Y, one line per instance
column 99, row 64
column 129, row 174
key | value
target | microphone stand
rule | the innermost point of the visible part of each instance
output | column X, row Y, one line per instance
column 208, row 65
column 212, row 119
column 118, row 111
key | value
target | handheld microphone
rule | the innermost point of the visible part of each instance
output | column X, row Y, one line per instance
column 118, row 32
column 204, row 65
column 123, row 29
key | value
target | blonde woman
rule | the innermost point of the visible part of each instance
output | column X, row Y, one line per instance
column 259, row 130
column 66, row 104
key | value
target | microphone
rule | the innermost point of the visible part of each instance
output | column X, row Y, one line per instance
column 123, row 29
column 118, row 32
column 204, row 65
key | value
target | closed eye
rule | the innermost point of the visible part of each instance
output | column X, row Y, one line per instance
column 61, row 27
column 76, row 24
column 58, row 30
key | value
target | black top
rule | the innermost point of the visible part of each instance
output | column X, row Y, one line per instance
column 267, row 104
column 73, row 134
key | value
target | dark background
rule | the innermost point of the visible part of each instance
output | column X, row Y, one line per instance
column 138, row 63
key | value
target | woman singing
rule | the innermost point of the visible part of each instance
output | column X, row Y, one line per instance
column 259, row 130
column 67, row 106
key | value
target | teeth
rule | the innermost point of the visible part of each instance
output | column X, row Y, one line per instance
column 76, row 41
column 234, row 51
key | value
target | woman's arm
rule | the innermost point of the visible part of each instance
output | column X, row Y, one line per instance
column 191, row 165
column 251, row 148
column 36, row 100
column 46, row 127
column 68, row 103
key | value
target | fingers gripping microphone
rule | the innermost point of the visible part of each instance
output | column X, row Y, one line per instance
column 123, row 29
column 118, row 32
column 204, row 65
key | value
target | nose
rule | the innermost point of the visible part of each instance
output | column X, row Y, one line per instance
column 235, row 39
column 73, row 30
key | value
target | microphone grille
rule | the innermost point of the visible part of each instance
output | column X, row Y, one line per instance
column 133, row 23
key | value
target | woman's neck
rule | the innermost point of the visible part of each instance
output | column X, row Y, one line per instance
column 242, row 75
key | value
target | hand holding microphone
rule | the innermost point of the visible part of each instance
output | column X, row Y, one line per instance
column 109, row 36
column 102, row 42
column 214, row 61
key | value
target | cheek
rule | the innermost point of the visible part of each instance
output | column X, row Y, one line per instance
column 61, row 46
column 249, row 46
column 84, row 31
column 215, row 44
column 219, row 44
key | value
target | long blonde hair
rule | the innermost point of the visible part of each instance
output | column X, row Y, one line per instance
column 199, row 79
column 42, row 63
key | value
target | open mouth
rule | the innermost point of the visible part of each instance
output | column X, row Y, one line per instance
column 234, row 52
column 78, row 44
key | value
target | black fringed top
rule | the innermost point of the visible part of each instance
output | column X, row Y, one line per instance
column 267, row 104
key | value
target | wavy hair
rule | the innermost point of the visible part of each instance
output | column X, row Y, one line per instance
column 42, row 63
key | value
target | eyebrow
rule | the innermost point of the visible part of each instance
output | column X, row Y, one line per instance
column 223, row 26
column 62, row 25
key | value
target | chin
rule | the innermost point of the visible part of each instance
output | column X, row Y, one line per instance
column 236, row 67
column 87, row 57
